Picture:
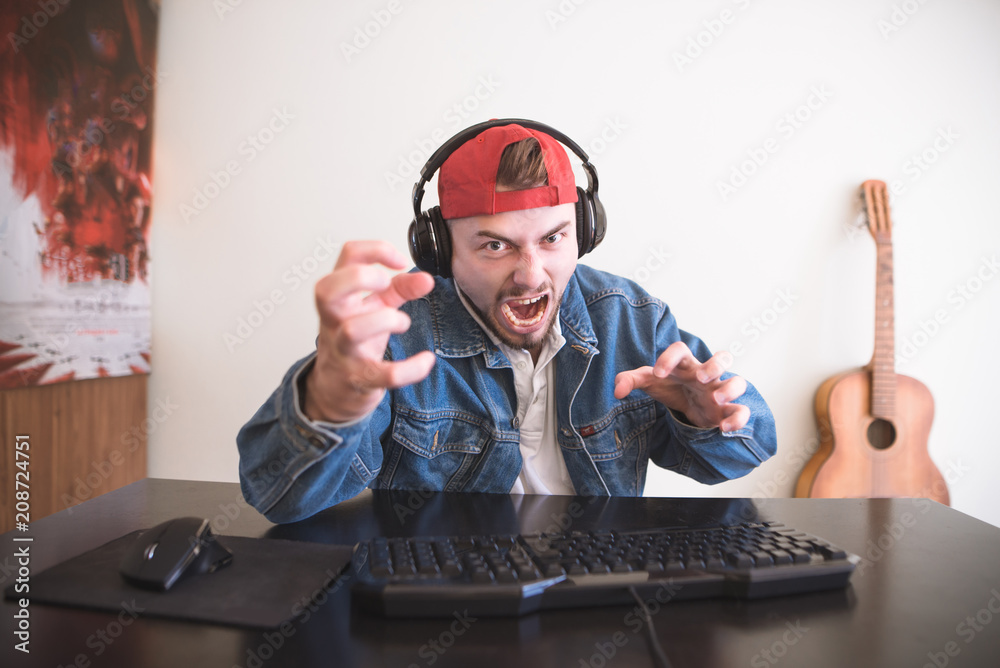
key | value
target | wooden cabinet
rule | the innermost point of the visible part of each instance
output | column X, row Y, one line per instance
column 85, row 438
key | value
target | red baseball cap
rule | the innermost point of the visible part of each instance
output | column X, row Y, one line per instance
column 467, row 179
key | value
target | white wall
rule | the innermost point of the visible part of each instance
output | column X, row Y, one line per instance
column 888, row 81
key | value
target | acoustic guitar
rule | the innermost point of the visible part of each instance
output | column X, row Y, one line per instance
column 874, row 423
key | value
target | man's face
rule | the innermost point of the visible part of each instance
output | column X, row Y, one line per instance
column 514, row 267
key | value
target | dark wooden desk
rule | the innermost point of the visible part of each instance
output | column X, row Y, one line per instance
column 928, row 592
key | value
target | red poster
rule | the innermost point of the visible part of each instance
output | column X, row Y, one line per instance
column 77, row 83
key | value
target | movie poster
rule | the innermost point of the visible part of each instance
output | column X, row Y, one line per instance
column 77, row 84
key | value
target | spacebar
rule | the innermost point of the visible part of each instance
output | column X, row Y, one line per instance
column 627, row 579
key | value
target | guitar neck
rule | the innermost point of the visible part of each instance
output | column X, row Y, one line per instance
column 876, row 197
column 883, row 360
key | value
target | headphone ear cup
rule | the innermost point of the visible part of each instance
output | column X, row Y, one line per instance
column 600, row 224
column 442, row 246
column 430, row 245
column 584, row 223
column 419, row 240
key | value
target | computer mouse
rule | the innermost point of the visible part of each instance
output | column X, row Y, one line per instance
column 161, row 556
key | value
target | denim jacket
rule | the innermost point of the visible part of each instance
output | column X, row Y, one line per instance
column 457, row 429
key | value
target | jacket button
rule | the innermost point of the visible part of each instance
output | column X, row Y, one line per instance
column 515, row 423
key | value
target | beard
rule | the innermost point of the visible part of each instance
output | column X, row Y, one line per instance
column 530, row 342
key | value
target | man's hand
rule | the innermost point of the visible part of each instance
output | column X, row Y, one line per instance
column 358, row 307
column 680, row 382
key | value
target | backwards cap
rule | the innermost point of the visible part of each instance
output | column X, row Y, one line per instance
column 467, row 179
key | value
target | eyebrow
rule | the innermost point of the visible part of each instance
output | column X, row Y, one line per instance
column 499, row 237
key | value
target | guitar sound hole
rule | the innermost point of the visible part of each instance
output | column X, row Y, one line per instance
column 881, row 434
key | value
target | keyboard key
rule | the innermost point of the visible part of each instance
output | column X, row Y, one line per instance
column 505, row 542
column 451, row 569
column 739, row 560
column 553, row 570
column 830, row 552
column 781, row 557
column 800, row 556
column 482, row 576
column 504, row 575
column 673, row 565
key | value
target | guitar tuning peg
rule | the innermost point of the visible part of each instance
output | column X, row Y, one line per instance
column 861, row 217
column 860, row 209
column 856, row 223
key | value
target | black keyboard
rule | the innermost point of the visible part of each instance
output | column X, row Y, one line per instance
column 510, row 575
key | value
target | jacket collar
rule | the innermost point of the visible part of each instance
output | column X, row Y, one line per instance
column 576, row 324
column 457, row 334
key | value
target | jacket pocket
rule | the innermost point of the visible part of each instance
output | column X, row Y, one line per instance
column 433, row 434
column 622, row 430
column 435, row 450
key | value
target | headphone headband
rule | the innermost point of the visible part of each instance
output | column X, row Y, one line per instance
column 443, row 152
column 429, row 240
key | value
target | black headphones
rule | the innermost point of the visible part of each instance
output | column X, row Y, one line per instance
column 430, row 243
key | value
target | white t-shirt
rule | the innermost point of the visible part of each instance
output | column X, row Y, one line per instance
column 543, row 469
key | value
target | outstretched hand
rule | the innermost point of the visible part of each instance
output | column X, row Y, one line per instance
column 682, row 383
column 358, row 306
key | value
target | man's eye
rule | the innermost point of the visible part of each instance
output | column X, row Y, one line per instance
column 554, row 238
column 495, row 245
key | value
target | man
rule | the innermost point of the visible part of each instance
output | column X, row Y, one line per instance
column 524, row 372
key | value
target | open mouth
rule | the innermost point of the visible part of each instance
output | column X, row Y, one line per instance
column 525, row 312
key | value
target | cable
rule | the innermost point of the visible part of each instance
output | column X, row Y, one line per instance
column 659, row 658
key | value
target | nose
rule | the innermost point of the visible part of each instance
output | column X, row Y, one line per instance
column 529, row 271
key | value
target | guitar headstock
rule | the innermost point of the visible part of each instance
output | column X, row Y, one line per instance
column 876, row 198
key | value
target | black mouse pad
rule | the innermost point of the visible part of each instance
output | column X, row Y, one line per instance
column 268, row 582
